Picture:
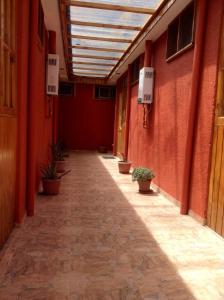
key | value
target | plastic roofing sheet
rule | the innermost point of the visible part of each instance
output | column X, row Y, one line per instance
column 99, row 44
column 102, row 32
column 77, row 65
column 107, row 18
column 96, row 53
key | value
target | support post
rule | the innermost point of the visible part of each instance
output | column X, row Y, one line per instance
column 192, row 122
column 128, row 110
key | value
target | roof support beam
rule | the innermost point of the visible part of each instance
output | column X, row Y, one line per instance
column 87, row 74
column 98, row 38
column 103, row 25
column 96, row 57
column 91, row 69
column 138, row 10
column 98, row 49
column 92, row 64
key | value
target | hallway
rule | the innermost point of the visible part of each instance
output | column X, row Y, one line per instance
column 100, row 239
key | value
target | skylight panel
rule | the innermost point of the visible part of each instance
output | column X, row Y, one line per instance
column 100, row 31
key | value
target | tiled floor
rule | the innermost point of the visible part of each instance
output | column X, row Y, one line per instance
column 101, row 240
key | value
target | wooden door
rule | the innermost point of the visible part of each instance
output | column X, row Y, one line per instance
column 8, row 121
column 215, row 218
column 121, row 118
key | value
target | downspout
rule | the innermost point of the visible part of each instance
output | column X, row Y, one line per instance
column 148, row 54
column 53, row 99
column 116, row 112
column 128, row 111
column 31, row 130
column 200, row 26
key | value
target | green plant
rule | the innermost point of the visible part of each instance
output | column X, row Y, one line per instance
column 58, row 153
column 49, row 171
column 142, row 174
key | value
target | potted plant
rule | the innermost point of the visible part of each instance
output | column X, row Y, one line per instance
column 51, row 181
column 124, row 165
column 59, row 157
column 144, row 177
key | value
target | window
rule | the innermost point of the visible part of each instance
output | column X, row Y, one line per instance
column 180, row 32
column 66, row 89
column 135, row 70
column 41, row 23
column 105, row 92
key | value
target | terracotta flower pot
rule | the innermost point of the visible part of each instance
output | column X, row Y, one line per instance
column 102, row 149
column 124, row 167
column 51, row 186
column 144, row 186
column 60, row 166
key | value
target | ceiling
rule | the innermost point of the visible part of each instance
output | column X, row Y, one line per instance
column 96, row 40
column 98, row 33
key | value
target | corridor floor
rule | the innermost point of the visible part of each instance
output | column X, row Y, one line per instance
column 101, row 240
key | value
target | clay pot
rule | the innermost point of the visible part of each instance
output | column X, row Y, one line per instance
column 144, row 186
column 124, row 167
column 102, row 149
column 60, row 166
column 51, row 186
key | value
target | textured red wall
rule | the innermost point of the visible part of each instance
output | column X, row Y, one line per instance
column 34, row 125
column 84, row 122
column 161, row 147
column 22, row 89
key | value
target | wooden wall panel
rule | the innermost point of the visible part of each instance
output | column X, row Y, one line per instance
column 8, row 119
column 215, row 217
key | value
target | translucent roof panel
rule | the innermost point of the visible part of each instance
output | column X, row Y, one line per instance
column 95, row 61
column 100, row 32
column 95, row 67
column 96, row 53
column 99, row 44
column 107, row 16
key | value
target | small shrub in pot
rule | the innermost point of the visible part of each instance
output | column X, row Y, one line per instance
column 144, row 177
column 59, row 157
column 51, row 181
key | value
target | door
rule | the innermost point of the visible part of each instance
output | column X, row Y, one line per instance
column 215, row 217
column 8, row 121
column 121, row 118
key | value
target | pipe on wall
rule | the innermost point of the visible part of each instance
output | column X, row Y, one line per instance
column 148, row 54
column 192, row 122
column 128, row 110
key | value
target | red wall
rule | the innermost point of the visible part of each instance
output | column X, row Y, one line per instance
column 162, row 146
column 84, row 122
column 22, row 89
column 35, row 124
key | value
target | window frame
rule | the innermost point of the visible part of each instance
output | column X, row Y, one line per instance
column 189, row 45
column 134, row 78
column 96, row 97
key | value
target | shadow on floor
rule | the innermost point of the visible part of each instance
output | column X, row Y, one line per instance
column 88, row 243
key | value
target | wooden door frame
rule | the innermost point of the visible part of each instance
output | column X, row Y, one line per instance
column 213, row 152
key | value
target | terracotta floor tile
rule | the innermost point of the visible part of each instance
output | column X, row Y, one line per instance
column 102, row 240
